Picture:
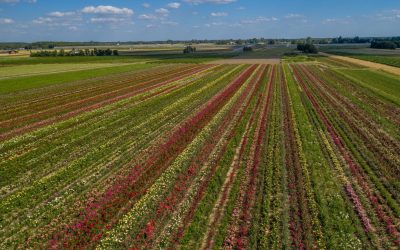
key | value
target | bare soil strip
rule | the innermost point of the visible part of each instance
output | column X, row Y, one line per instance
column 373, row 65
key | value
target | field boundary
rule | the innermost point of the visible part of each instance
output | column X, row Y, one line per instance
column 373, row 65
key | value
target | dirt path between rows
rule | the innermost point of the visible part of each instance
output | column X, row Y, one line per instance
column 373, row 65
column 246, row 61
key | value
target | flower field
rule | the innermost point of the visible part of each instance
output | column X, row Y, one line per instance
column 204, row 156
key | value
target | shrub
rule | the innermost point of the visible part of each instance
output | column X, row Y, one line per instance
column 189, row 49
column 307, row 48
column 383, row 45
column 247, row 48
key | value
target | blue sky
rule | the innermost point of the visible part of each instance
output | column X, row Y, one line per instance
column 133, row 20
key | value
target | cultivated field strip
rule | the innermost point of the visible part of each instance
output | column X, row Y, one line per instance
column 42, row 115
column 294, row 156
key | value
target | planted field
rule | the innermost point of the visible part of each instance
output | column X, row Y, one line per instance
column 203, row 156
column 38, row 69
column 388, row 60
column 391, row 60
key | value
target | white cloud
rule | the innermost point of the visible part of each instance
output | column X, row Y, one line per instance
column 51, row 22
column 159, row 14
column 108, row 15
column 73, row 28
column 293, row 15
column 159, row 17
column 61, row 14
column 162, row 11
column 236, row 25
column 9, row 1
column 58, row 18
column 389, row 15
column 208, row 25
column 174, row 5
column 210, row 1
column 147, row 17
column 6, row 21
column 17, row 1
column 100, row 15
column 346, row 20
column 329, row 20
column 169, row 23
column 43, row 20
column 102, row 9
column 219, row 14
column 297, row 18
column 259, row 19
column 107, row 20
column 146, row 5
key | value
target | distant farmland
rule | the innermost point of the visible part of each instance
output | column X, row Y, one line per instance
column 303, row 154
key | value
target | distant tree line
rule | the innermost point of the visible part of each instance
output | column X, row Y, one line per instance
column 383, row 45
column 307, row 48
column 247, row 48
column 356, row 39
column 189, row 49
column 80, row 52
column 253, row 41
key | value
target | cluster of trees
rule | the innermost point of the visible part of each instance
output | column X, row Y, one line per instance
column 247, row 48
column 307, row 48
column 189, row 49
column 385, row 44
column 336, row 40
column 86, row 52
column 356, row 39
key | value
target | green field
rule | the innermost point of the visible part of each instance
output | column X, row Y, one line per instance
column 383, row 56
column 268, row 52
column 42, row 69
column 9, row 61
column 387, row 86
column 388, row 60
column 28, row 82
column 176, row 57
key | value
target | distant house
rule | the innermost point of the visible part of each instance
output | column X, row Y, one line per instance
column 74, row 52
column 287, row 44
